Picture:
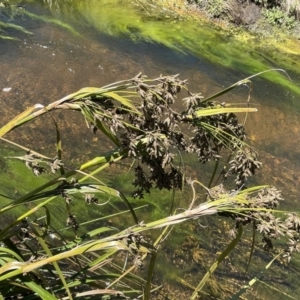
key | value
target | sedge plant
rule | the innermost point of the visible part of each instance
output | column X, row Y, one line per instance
column 139, row 118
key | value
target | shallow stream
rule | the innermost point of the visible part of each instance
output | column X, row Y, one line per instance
column 74, row 44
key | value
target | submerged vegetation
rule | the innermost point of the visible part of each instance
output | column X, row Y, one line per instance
column 152, row 23
column 153, row 139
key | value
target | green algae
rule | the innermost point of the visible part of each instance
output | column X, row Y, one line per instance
column 53, row 21
column 243, row 53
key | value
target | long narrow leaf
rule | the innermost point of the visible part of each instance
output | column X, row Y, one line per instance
column 15, row 268
column 18, row 119
column 241, row 82
column 122, row 100
column 55, row 264
column 44, row 294
column 223, row 110
column 214, row 266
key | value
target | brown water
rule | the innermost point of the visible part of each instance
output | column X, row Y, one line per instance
column 52, row 63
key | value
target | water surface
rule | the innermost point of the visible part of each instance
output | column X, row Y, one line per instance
column 55, row 60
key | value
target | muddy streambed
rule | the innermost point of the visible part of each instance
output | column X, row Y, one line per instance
column 54, row 61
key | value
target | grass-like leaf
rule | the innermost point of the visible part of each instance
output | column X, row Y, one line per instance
column 214, row 266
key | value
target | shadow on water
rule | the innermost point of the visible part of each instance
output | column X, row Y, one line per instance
column 53, row 62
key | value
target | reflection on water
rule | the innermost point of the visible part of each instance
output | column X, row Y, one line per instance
column 52, row 63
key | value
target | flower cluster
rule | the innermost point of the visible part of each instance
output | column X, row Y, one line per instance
column 72, row 221
column 160, row 125
column 258, row 210
column 33, row 162
column 160, row 130
column 243, row 165
column 39, row 165
column 134, row 242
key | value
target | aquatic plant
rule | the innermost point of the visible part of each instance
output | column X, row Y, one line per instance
column 139, row 118
column 145, row 21
column 6, row 17
column 12, row 12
